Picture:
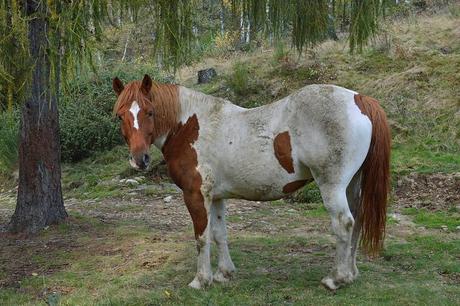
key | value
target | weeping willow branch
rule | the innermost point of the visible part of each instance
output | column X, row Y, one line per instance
column 76, row 27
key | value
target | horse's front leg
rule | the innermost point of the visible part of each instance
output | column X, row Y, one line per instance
column 225, row 268
column 199, row 208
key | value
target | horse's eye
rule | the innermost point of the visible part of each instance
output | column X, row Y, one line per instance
column 150, row 114
column 119, row 117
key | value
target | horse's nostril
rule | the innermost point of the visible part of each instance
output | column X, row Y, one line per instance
column 146, row 159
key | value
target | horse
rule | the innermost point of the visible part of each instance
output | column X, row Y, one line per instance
column 216, row 150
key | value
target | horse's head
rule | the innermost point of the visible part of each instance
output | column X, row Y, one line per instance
column 148, row 111
column 134, row 108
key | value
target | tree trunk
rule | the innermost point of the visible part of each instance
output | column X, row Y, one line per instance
column 39, row 201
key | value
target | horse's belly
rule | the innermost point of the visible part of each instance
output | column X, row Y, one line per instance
column 268, row 184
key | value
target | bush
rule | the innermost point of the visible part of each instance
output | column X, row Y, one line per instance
column 309, row 194
column 239, row 79
column 9, row 132
column 86, row 121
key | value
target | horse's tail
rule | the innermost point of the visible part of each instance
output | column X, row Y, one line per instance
column 375, row 181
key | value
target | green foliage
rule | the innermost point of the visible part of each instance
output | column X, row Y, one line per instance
column 363, row 24
column 280, row 54
column 9, row 128
column 87, row 123
column 174, row 32
column 309, row 194
column 14, row 62
column 239, row 80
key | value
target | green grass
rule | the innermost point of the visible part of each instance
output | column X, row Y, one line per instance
column 281, row 269
column 99, row 175
column 436, row 219
column 407, row 159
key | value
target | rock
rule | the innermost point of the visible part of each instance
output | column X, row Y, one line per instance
column 131, row 182
column 167, row 199
column 206, row 75
column 444, row 228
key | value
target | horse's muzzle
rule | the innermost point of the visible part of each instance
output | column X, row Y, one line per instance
column 140, row 161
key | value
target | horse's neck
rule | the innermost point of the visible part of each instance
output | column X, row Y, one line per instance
column 204, row 106
column 194, row 102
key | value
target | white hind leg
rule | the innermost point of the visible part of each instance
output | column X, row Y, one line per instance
column 225, row 268
column 353, row 196
column 335, row 200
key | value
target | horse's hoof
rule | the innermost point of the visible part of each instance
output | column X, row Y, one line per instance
column 222, row 277
column 196, row 283
column 334, row 283
column 329, row 283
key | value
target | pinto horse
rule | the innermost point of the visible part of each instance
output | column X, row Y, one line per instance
column 216, row 150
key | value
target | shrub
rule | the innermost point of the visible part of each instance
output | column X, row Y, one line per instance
column 9, row 132
column 239, row 79
column 309, row 194
column 86, row 121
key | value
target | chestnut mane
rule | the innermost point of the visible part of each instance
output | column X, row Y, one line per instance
column 164, row 98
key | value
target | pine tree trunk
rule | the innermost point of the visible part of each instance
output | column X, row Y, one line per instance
column 39, row 201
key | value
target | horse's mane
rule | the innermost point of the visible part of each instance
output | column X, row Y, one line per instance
column 164, row 98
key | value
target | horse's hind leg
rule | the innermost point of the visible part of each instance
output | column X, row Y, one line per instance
column 353, row 196
column 335, row 200
column 225, row 267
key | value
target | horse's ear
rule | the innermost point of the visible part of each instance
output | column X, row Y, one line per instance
column 117, row 85
column 146, row 84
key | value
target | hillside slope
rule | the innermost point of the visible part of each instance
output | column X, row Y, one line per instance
column 412, row 68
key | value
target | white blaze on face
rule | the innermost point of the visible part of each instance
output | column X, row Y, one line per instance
column 135, row 111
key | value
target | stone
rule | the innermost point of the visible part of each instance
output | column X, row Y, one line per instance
column 131, row 182
column 167, row 199
column 206, row 75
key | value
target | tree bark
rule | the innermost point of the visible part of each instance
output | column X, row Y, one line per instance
column 39, row 201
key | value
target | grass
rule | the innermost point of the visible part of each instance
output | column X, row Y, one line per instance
column 439, row 219
column 99, row 176
column 407, row 159
column 122, row 265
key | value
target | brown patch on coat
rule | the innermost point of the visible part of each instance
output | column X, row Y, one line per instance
column 293, row 186
column 283, row 149
column 182, row 161
column 375, row 183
